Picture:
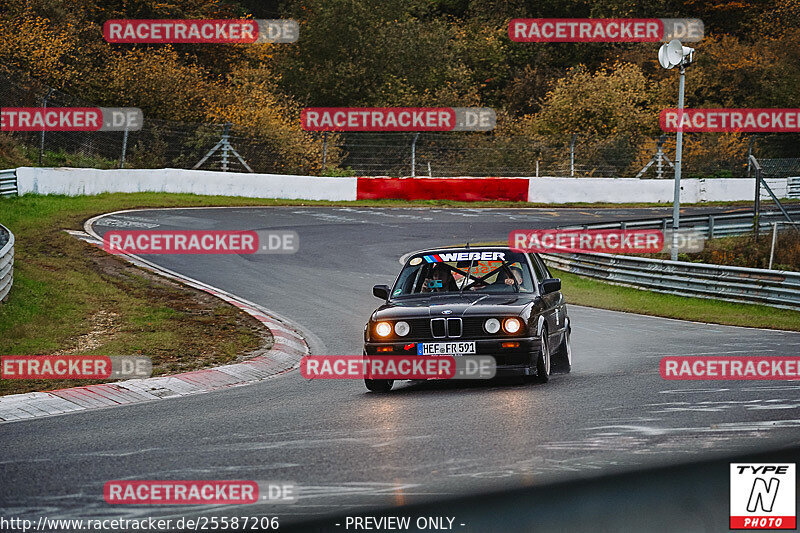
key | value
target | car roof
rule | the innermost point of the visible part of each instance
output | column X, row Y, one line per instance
column 460, row 249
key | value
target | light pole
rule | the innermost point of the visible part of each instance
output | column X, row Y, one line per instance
column 671, row 55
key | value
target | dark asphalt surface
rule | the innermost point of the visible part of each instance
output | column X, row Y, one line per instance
column 349, row 450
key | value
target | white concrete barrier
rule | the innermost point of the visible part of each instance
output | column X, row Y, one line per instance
column 77, row 181
column 625, row 190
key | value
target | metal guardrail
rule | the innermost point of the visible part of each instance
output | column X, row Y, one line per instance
column 775, row 288
column 8, row 182
column 793, row 187
column 711, row 225
column 6, row 261
column 736, row 284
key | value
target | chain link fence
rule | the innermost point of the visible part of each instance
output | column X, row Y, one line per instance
column 170, row 144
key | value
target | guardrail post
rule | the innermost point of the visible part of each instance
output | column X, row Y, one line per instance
column 710, row 226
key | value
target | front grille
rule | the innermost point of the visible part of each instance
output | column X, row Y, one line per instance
column 453, row 327
column 438, row 328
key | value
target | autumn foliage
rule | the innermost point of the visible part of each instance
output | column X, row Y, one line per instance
column 414, row 53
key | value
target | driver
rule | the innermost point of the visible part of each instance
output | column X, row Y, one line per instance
column 440, row 280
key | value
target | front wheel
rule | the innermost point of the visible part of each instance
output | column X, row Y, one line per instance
column 542, row 362
column 562, row 360
column 379, row 385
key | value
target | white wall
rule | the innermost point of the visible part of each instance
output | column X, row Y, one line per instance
column 75, row 181
column 622, row 190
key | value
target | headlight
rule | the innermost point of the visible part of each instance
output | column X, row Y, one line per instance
column 383, row 329
column 492, row 325
column 512, row 325
column 402, row 328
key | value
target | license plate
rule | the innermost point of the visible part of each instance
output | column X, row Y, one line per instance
column 445, row 348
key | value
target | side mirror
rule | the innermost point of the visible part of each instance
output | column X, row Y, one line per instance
column 381, row 291
column 551, row 285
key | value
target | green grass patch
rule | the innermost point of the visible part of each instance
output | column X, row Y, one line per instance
column 593, row 293
column 70, row 298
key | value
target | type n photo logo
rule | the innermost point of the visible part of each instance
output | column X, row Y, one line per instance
column 763, row 496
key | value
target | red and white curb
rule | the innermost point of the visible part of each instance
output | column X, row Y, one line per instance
column 288, row 348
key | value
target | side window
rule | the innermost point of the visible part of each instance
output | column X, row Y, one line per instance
column 538, row 268
column 548, row 275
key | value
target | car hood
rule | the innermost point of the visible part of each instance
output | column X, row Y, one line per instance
column 459, row 305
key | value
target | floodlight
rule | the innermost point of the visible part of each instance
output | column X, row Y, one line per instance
column 674, row 53
column 671, row 55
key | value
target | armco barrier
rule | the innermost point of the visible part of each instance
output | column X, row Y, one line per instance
column 8, row 182
column 6, row 261
column 737, row 284
column 711, row 225
column 793, row 187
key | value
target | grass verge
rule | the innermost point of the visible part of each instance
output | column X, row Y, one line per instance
column 70, row 298
column 593, row 293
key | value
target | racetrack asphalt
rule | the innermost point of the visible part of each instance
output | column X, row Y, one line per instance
column 350, row 450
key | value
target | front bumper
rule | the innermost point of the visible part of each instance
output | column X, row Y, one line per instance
column 509, row 360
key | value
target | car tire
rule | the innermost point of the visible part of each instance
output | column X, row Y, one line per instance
column 542, row 363
column 379, row 385
column 562, row 360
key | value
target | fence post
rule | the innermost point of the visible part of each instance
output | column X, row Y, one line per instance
column 124, row 147
column 414, row 156
column 757, row 200
column 572, row 154
column 772, row 248
column 324, row 149
column 41, row 138
column 225, row 145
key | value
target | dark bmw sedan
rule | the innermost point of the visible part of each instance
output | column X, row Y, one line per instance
column 473, row 301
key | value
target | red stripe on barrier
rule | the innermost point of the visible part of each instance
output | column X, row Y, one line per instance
column 462, row 189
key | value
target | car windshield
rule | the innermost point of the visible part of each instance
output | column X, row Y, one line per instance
column 450, row 271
